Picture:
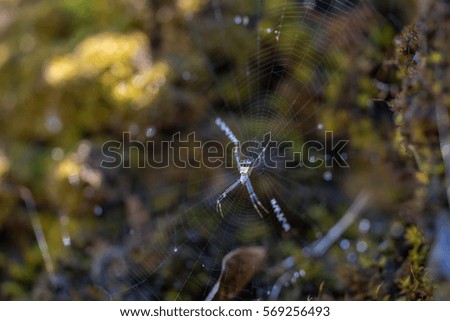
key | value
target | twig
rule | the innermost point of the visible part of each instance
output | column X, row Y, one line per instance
column 276, row 288
column 28, row 199
column 442, row 118
column 443, row 130
column 320, row 247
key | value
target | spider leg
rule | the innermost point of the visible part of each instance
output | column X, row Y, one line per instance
column 224, row 194
column 238, row 159
column 262, row 153
column 257, row 159
column 227, row 131
column 254, row 198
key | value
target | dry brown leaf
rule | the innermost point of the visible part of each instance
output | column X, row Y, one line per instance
column 238, row 268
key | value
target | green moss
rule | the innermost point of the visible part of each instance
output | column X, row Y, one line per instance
column 413, row 281
column 11, row 289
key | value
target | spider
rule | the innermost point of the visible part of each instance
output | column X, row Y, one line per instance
column 245, row 168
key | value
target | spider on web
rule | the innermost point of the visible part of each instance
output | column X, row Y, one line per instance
column 245, row 168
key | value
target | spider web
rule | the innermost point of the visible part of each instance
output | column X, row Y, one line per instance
column 269, row 63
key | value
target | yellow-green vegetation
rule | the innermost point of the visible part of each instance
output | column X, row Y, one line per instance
column 412, row 279
column 120, row 64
